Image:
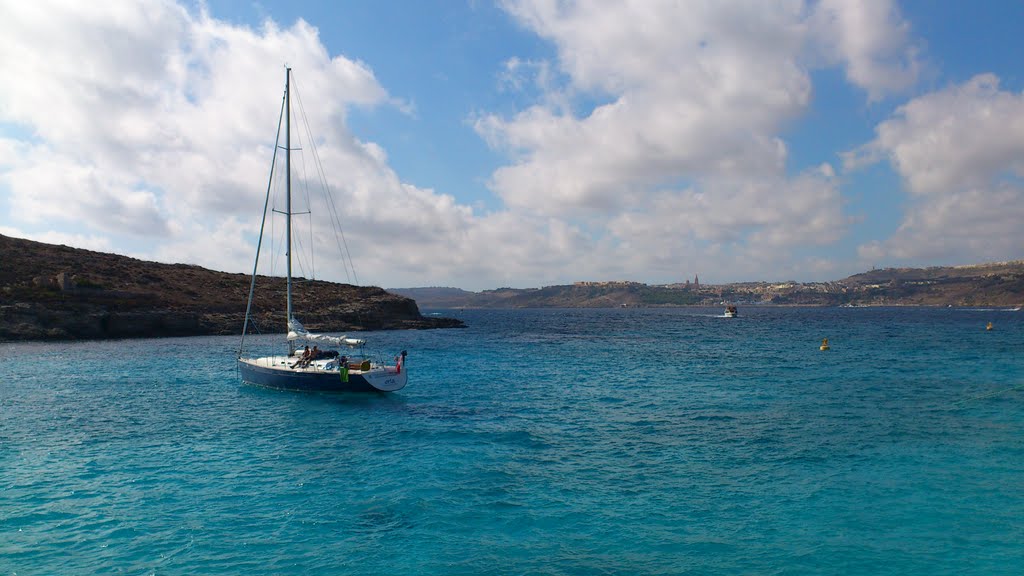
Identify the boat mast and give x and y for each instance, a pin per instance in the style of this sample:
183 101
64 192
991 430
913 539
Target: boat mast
288 193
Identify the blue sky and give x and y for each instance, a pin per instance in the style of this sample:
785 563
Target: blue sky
527 142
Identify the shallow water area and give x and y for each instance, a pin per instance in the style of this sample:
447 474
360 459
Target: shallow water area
626 441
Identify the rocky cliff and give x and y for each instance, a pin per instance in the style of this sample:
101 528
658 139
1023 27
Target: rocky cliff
50 292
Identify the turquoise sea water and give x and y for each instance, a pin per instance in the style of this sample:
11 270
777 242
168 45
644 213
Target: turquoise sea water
564 442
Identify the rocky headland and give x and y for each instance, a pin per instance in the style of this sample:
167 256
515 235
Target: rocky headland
50 292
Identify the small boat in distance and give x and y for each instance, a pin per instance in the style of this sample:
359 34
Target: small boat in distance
301 368
730 312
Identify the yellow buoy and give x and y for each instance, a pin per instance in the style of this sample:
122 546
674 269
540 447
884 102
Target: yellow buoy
824 344
989 327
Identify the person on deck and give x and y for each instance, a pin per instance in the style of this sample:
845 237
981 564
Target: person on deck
303 360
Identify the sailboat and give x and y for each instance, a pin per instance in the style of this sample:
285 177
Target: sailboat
347 370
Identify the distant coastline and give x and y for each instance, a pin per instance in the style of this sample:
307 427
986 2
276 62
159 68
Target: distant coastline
999 284
50 292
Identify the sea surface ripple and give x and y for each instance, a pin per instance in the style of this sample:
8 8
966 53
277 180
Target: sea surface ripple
562 442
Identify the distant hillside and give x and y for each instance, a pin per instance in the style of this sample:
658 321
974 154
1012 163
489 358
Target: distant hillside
443 297
57 292
995 284
583 295
992 284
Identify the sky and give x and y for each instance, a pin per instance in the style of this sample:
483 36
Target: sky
522 143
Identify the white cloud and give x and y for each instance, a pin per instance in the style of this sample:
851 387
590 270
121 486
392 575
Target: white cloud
693 91
89 242
872 40
680 161
148 128
953 139
961 153
56 187
694 94
690 90
964 224
803 211
150 122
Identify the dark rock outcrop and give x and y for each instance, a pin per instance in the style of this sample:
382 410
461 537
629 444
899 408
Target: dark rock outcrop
50 292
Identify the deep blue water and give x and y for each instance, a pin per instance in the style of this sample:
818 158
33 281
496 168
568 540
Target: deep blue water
565 442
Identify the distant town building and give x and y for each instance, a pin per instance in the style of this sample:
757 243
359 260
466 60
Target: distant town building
696 282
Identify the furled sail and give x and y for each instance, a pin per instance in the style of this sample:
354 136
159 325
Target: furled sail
296 331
